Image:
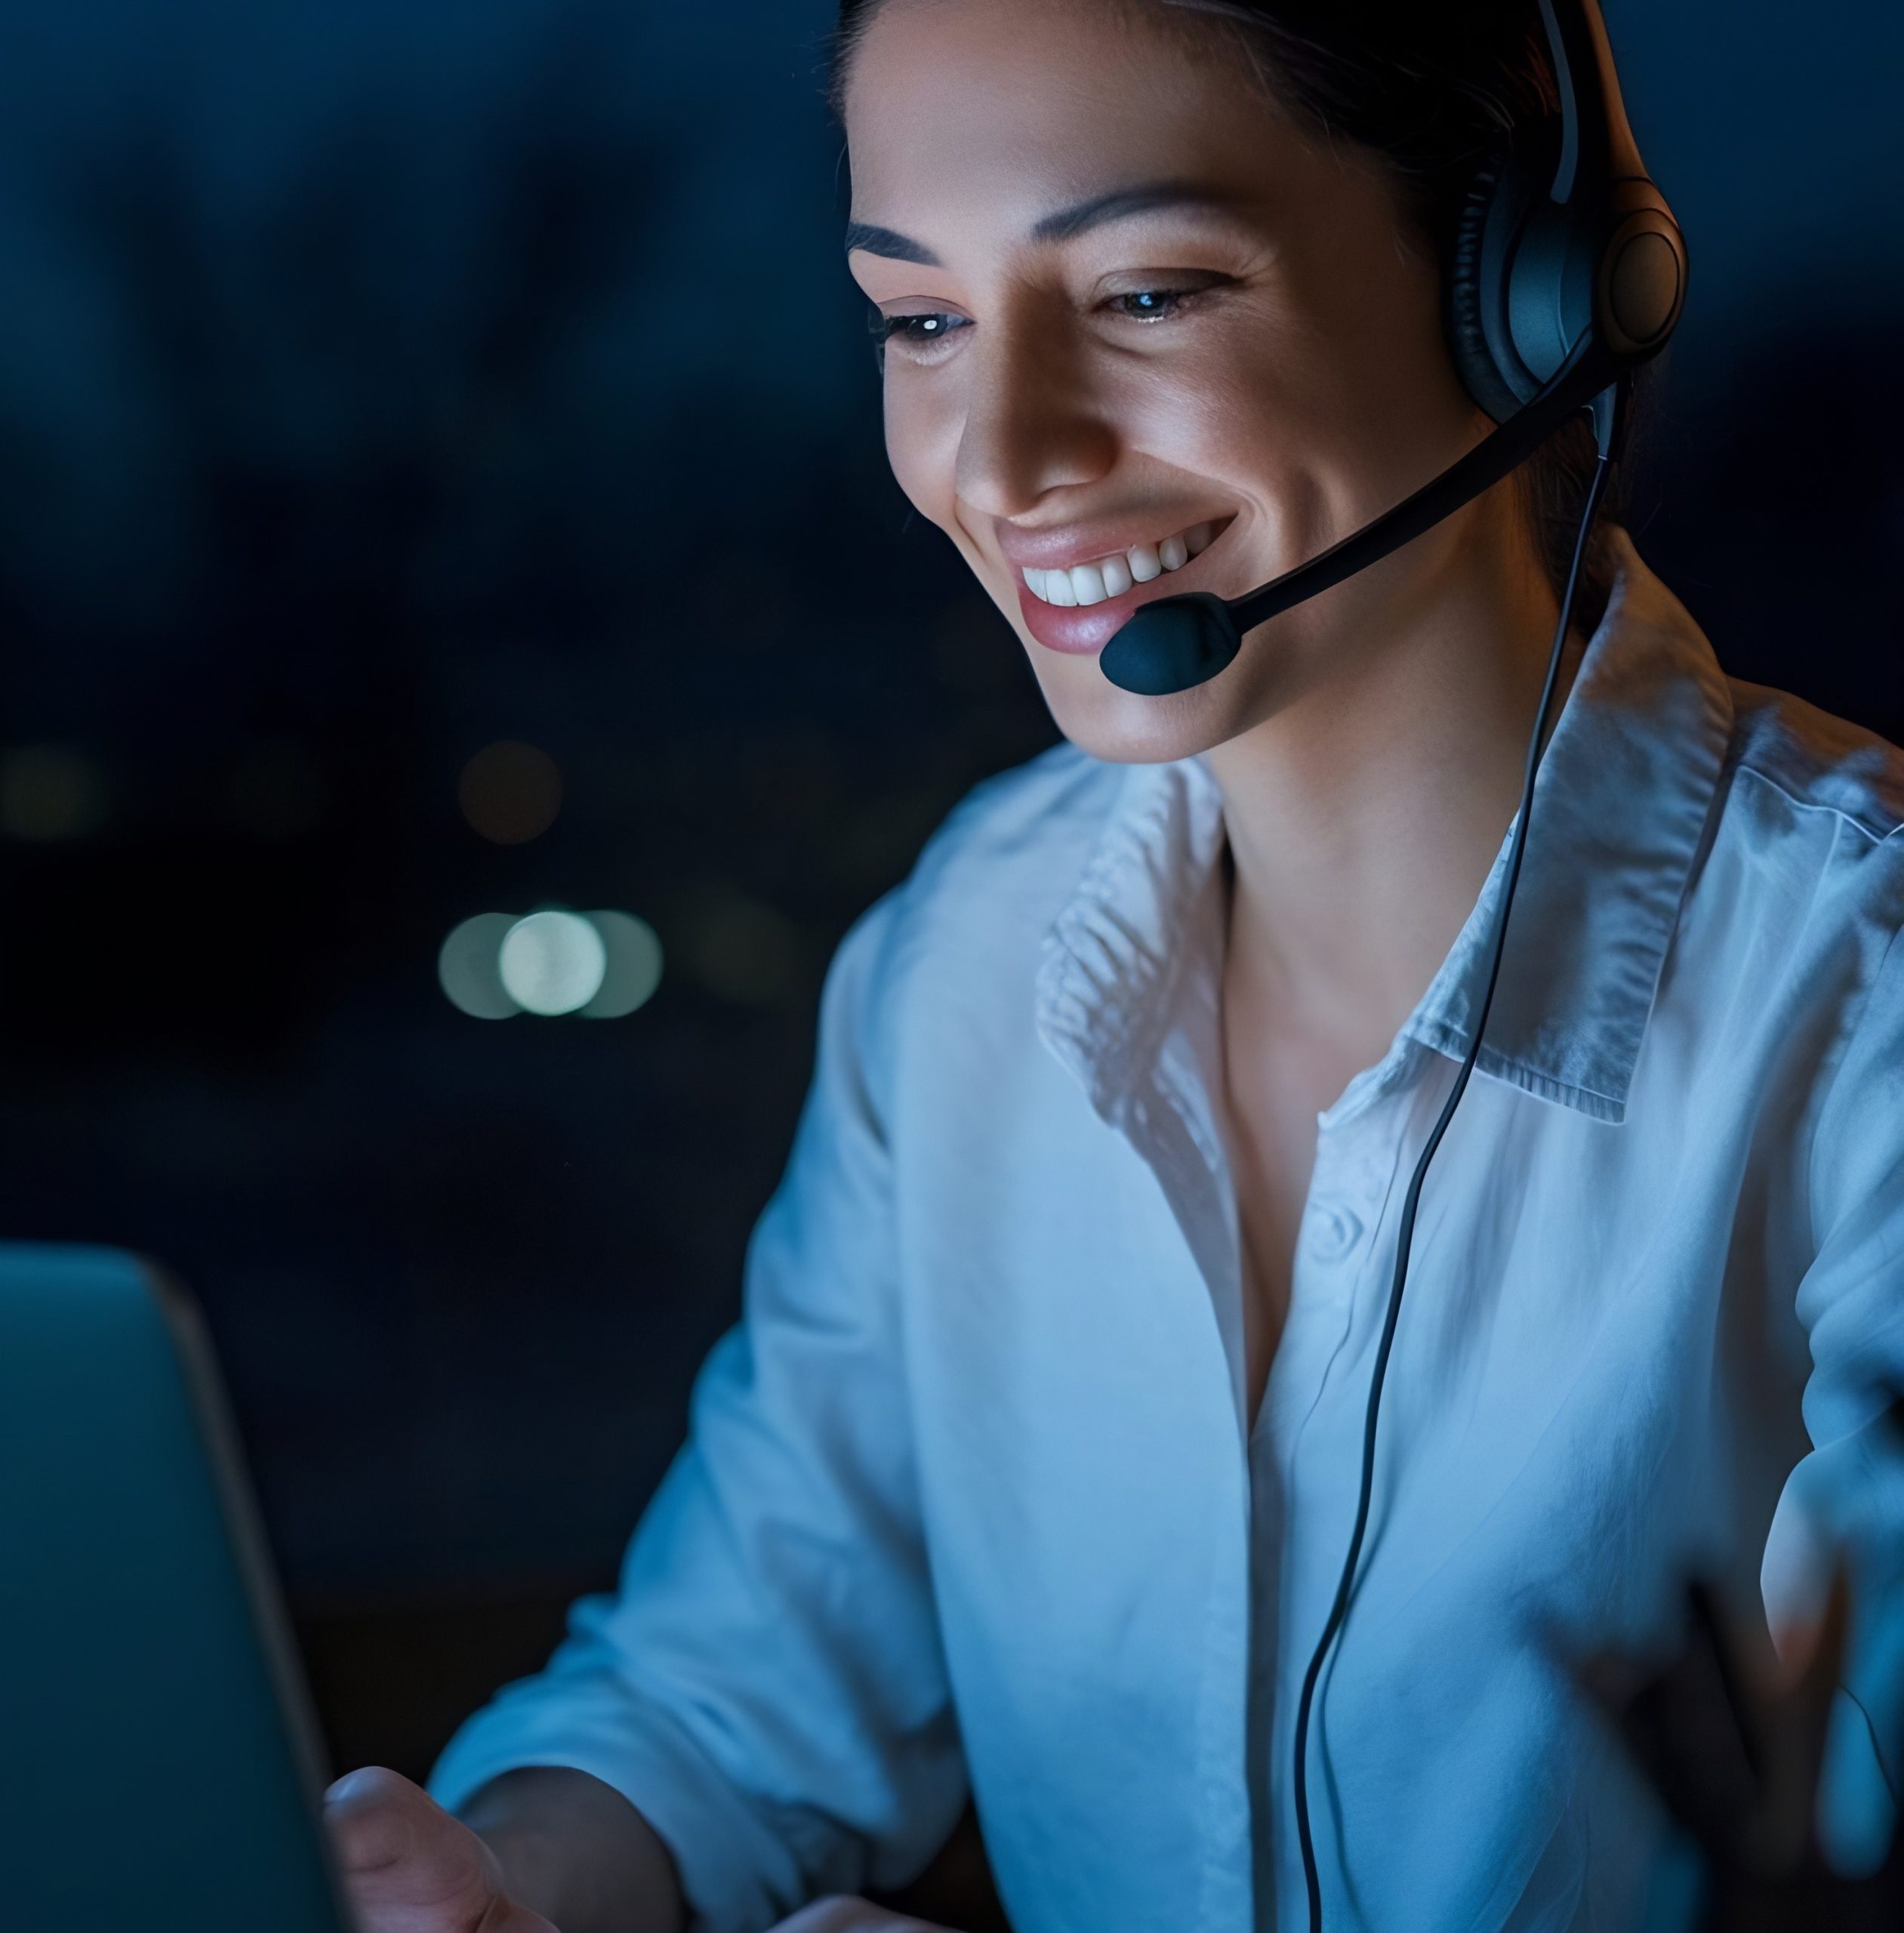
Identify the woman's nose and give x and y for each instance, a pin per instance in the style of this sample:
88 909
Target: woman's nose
1031 425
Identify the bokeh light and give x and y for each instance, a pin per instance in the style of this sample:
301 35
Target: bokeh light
50 792
469 967
743 950
511 793
602 965
553 962
634 966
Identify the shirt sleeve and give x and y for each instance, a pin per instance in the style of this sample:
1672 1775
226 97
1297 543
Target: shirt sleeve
767 1686
1845 1502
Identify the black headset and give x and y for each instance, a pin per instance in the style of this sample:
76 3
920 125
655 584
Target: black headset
1568 272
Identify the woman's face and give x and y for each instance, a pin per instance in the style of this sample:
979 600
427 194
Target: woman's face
1138 319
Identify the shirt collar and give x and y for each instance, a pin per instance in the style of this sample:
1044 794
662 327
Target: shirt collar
1622 805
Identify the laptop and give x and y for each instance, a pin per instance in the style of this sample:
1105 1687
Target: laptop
158 1767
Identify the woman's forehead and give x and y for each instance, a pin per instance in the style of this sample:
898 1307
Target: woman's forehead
1017 105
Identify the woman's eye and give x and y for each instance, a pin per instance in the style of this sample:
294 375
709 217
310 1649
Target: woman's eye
917 333
1150 305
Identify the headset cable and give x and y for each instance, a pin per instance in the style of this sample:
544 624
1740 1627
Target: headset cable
1607 411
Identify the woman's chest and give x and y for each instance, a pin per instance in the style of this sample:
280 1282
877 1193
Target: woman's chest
1569 1386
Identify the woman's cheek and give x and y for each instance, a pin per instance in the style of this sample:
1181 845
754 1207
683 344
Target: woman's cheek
921 446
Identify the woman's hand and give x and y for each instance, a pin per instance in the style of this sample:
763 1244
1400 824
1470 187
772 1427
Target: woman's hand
845 1916
409 1867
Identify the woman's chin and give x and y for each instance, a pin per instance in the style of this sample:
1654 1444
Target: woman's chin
1124 728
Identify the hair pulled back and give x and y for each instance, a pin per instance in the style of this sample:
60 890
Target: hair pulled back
1438 92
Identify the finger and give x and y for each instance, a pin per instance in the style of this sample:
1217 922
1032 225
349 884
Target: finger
398 1847
371 1822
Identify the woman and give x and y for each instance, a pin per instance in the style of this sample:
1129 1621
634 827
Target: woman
1030 1472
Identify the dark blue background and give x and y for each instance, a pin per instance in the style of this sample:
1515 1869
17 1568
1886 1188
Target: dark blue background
380 378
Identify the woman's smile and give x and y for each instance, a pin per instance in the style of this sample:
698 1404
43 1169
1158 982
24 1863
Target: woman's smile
1079 606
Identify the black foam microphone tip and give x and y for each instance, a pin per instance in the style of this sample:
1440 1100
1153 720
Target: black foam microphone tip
1172 645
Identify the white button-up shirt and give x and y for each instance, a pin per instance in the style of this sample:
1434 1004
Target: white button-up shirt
972 1502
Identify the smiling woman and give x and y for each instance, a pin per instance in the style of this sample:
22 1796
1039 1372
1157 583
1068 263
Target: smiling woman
1029 1477
1182 312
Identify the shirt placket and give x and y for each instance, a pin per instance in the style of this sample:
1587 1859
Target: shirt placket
1357 1158
1306 1444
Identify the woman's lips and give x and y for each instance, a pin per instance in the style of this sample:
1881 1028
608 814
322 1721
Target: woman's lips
1082 631
1089 631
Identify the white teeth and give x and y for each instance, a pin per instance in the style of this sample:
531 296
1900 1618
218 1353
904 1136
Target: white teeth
1087 584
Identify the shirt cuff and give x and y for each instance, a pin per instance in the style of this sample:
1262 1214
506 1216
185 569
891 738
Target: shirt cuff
738 1876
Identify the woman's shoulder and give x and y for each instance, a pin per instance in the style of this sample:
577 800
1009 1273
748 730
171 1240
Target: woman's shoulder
975 910
1028 830
1811 762
1799 893
1008 855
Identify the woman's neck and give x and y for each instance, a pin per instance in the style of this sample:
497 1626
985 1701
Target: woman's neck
1363 817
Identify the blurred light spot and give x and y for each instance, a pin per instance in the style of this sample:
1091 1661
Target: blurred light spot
633 968
511 793
469 967
745 952
50 792
277 792
600 965
553 962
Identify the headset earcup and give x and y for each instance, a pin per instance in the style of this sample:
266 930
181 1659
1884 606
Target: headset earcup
1467 294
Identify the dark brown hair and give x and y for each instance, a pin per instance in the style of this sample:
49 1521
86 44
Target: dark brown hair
1439 91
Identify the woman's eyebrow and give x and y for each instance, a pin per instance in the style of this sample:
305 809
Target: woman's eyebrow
889 242
1061 225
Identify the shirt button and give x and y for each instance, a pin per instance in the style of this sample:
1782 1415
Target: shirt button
1333 1231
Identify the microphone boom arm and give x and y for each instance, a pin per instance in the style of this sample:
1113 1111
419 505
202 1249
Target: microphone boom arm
1573 387
1174 644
